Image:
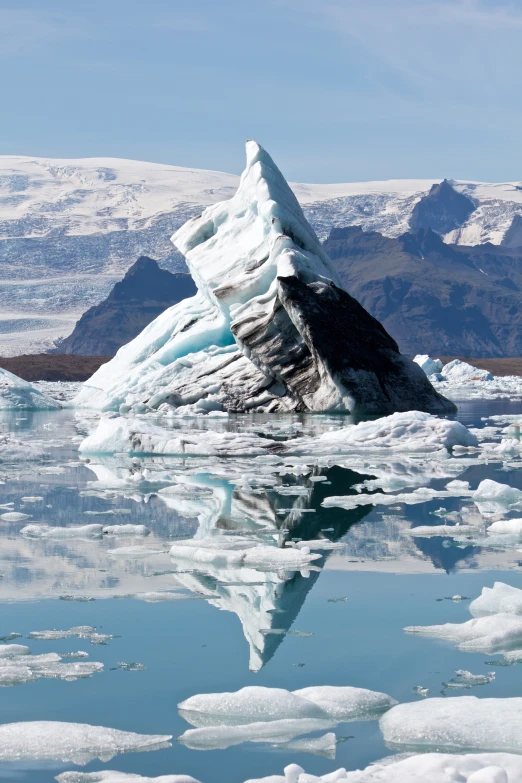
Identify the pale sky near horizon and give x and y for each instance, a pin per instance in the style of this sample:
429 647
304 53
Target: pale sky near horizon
336 90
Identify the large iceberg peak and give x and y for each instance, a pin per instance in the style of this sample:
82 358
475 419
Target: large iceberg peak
271 328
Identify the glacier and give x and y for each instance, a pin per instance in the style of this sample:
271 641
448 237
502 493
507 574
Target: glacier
71 227
259 334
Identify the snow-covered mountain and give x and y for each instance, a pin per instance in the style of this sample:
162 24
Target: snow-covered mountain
69 229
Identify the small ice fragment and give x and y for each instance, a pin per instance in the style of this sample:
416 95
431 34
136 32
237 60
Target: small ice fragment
81 598
419 690
337 600
132 667
14 516
31 499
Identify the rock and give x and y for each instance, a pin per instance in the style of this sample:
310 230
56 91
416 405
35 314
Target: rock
434 298
271 328
442 210
144 293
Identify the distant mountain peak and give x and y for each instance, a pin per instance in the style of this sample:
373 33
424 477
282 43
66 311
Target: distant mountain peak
144 293
442 210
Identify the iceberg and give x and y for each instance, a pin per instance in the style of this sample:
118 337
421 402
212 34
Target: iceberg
76 742
492 498
458 371
409 432
490 634
499 599
429 365
425 767
271 328
457 723
19 394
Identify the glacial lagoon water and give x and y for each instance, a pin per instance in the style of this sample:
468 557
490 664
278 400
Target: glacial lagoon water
339 625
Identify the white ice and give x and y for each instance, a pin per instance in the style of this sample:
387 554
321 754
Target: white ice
76 742
463 722
499 599
421 768
81 532
490 634
411 432
112 776
429 365
19 394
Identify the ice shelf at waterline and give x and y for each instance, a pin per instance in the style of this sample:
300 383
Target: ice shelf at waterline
270 329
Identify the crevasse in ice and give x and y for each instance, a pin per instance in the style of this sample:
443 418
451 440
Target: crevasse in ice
271 327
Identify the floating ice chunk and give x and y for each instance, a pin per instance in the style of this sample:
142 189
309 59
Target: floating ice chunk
421 768
491 634
420 690
79 631
12 650
429 365
453 531
452 723
259 557
421 495
315 543
17 393
463 676
79 743
506 527
248 705
499 599
82 532
125 530
410 432
347 703
31 499
491 497
320 746
14 516
157 597
458 371
273 731
255 703
133 552
111 776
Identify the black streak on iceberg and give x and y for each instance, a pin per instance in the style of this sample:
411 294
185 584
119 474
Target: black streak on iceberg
271 328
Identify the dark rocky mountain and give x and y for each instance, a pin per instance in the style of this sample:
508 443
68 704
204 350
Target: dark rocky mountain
144 293
442 210
433 297
513 236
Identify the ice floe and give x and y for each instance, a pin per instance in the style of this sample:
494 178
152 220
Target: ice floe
499 599
409 432
82 532
463 722
275 715
112 776
425 768
18 666
19 394
76 742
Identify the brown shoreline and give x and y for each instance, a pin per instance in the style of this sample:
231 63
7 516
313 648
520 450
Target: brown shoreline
53 366
69 367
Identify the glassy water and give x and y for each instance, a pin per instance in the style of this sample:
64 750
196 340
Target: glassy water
225 627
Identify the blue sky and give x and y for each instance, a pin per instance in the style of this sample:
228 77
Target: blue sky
336 90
